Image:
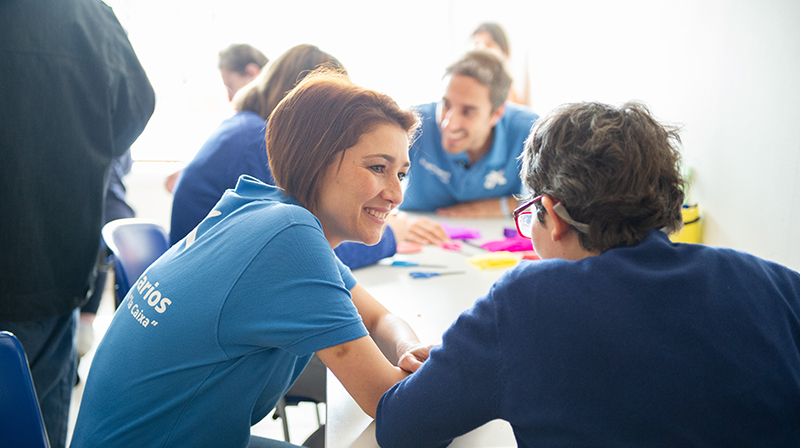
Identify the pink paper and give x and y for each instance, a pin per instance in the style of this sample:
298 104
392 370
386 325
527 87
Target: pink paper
451 246
461 232
518 244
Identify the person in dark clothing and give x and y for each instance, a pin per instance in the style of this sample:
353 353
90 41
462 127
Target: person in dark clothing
115 208
73 96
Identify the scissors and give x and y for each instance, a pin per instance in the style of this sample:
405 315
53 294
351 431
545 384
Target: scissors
432 274
413 264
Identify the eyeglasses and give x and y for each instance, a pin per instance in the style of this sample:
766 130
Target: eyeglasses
524 219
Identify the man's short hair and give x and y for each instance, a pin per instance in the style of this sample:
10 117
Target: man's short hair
616 169
488 69
238 56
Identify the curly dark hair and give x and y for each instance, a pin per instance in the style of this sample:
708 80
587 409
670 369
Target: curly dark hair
616 169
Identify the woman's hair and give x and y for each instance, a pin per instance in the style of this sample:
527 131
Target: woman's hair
488 69
271 85
316 122
615 169
497 33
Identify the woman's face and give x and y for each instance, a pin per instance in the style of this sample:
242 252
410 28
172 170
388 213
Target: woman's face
483 40
356 197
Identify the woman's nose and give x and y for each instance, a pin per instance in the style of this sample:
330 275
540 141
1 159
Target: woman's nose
393 192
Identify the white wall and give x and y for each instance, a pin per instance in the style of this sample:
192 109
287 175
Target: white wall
727 71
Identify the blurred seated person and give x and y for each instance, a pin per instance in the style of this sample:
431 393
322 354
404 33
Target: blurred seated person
491 36
464 164
219 328
238 64
617 337
237 147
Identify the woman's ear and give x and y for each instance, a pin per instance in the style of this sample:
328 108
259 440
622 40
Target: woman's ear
560 227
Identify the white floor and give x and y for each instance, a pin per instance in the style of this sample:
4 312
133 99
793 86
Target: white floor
302 419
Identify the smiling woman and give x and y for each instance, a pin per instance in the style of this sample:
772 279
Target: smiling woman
259 289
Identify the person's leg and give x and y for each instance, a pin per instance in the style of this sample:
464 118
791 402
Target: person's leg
50 347
85 339
261 442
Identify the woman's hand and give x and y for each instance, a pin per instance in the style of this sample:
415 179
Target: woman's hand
414 356
426 231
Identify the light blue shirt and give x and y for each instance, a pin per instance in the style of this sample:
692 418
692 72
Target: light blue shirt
219 327
438 179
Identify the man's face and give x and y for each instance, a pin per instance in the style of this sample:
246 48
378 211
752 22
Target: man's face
465 116
234 81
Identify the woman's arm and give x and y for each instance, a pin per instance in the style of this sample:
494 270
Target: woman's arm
363 371
361 367
393 335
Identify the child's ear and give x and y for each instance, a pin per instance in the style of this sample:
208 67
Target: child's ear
559 225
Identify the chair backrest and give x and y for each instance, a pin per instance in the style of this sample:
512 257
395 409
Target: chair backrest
21 423
136 244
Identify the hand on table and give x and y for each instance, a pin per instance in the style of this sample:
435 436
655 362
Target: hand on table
414 356
426 231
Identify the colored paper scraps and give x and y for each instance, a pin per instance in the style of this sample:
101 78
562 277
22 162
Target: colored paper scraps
510 232
515 244
408 248
494 260
532 255
461 232
451 246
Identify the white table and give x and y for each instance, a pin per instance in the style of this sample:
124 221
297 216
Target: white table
429 306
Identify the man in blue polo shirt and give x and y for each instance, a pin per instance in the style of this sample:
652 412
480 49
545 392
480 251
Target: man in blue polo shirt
464 163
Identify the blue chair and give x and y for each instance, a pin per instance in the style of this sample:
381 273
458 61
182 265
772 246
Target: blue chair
136 244
21 423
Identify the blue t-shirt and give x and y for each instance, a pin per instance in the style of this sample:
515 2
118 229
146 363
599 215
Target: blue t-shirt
218 328
659 344
438 179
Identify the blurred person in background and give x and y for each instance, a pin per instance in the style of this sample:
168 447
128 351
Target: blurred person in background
464 164
238 64
492 36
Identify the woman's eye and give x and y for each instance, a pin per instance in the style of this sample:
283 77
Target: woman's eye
401 176
378 168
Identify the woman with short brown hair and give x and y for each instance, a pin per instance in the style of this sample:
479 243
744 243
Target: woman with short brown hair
218 329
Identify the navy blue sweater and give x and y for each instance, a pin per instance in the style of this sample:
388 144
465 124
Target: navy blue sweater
660 344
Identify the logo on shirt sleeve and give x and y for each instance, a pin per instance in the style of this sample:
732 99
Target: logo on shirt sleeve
494 178
150 296
444 176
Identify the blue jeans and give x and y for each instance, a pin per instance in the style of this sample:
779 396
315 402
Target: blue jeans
50 347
